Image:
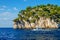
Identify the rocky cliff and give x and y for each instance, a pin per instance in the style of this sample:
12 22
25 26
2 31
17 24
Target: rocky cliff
41 23
41 16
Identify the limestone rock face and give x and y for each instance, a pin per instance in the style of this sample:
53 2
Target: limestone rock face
27 25
15 25
41 23
33 25
47 23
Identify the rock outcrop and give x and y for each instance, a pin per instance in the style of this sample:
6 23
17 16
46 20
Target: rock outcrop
41 16
41 23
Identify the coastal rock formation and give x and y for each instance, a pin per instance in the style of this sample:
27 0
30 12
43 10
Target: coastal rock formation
41 23
43 16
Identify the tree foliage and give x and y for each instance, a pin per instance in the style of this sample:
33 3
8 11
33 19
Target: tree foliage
48 11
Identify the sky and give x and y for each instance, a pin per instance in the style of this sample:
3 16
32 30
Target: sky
10 8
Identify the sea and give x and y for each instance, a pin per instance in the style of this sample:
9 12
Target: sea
27 34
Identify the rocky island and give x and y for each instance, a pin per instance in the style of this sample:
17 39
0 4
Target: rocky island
40 16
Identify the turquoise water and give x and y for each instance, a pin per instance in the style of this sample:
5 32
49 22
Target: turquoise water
20 34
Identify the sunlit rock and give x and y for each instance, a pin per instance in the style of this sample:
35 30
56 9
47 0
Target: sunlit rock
15 25
27 24
33 25
41 23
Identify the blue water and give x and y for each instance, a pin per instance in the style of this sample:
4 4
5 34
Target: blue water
20 34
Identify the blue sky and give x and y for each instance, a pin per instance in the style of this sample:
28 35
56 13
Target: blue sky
10 8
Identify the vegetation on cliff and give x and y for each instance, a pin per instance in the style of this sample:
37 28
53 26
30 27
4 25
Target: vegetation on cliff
31 14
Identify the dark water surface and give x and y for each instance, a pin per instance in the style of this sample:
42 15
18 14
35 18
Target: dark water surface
11 34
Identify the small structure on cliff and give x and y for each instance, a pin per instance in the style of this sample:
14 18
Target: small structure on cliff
43 16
